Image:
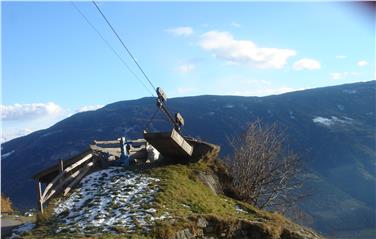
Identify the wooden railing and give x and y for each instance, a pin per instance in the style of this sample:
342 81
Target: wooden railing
60 179
66 179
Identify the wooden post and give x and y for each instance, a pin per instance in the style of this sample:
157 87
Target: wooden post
39 196
61 166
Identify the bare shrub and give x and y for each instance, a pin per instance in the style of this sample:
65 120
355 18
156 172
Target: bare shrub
264 173
6 205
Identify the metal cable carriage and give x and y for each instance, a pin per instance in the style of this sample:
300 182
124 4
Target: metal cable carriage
170 144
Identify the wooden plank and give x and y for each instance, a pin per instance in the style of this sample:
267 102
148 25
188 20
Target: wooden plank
54 169
59 186
61 163
107 142
78 163
112 151
71 167
39 196
77 180
61 168
71 177
170 144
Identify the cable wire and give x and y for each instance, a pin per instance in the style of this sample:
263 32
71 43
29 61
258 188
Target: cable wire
112 49
151 119
125 47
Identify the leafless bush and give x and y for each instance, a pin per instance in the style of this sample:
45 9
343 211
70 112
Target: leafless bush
264 173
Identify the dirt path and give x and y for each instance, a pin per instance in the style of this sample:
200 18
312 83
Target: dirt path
10 222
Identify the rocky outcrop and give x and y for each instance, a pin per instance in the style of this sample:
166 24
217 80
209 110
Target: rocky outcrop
213 227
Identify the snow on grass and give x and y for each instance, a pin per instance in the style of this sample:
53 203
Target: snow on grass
239 209
333 120
108 199
18 231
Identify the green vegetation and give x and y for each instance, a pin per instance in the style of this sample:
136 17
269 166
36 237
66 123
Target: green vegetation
182 201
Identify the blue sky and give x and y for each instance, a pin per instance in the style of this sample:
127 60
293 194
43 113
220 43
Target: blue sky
54 64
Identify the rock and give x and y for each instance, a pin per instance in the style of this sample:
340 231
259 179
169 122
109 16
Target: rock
201 222
211 180
184 234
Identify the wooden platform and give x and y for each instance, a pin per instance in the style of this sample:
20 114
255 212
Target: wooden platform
170 144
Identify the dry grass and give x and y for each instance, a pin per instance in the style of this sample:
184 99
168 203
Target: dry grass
6 205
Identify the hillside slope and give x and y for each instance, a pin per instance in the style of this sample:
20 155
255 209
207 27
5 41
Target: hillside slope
169 201
332 128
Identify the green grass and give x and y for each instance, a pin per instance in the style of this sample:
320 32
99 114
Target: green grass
182 194
183 198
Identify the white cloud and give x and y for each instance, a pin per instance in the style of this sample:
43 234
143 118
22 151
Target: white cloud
180 31
29 111
89 108
362 63
306 64
343 75
224 46
341 56
22 119
186 68
12 134
235 24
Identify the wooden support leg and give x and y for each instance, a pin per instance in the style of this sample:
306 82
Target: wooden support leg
61 166
39 196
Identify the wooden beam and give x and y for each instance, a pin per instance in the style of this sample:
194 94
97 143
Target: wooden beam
112 151
39 196
61 185
54 169
76 176
61 165
68 169
107 142
77 180
78 163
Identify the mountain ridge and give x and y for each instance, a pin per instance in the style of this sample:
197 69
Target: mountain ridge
332 128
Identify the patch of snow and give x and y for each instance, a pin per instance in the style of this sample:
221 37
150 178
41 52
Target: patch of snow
6 155
51 133
239 209
341 107
18 231
127 130
333 120
348 119
106 199
229 106
161 217
153 153
350 91
292 116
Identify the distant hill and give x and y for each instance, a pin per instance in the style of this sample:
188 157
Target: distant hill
333 130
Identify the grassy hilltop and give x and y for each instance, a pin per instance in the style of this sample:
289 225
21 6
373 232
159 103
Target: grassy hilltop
169 201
